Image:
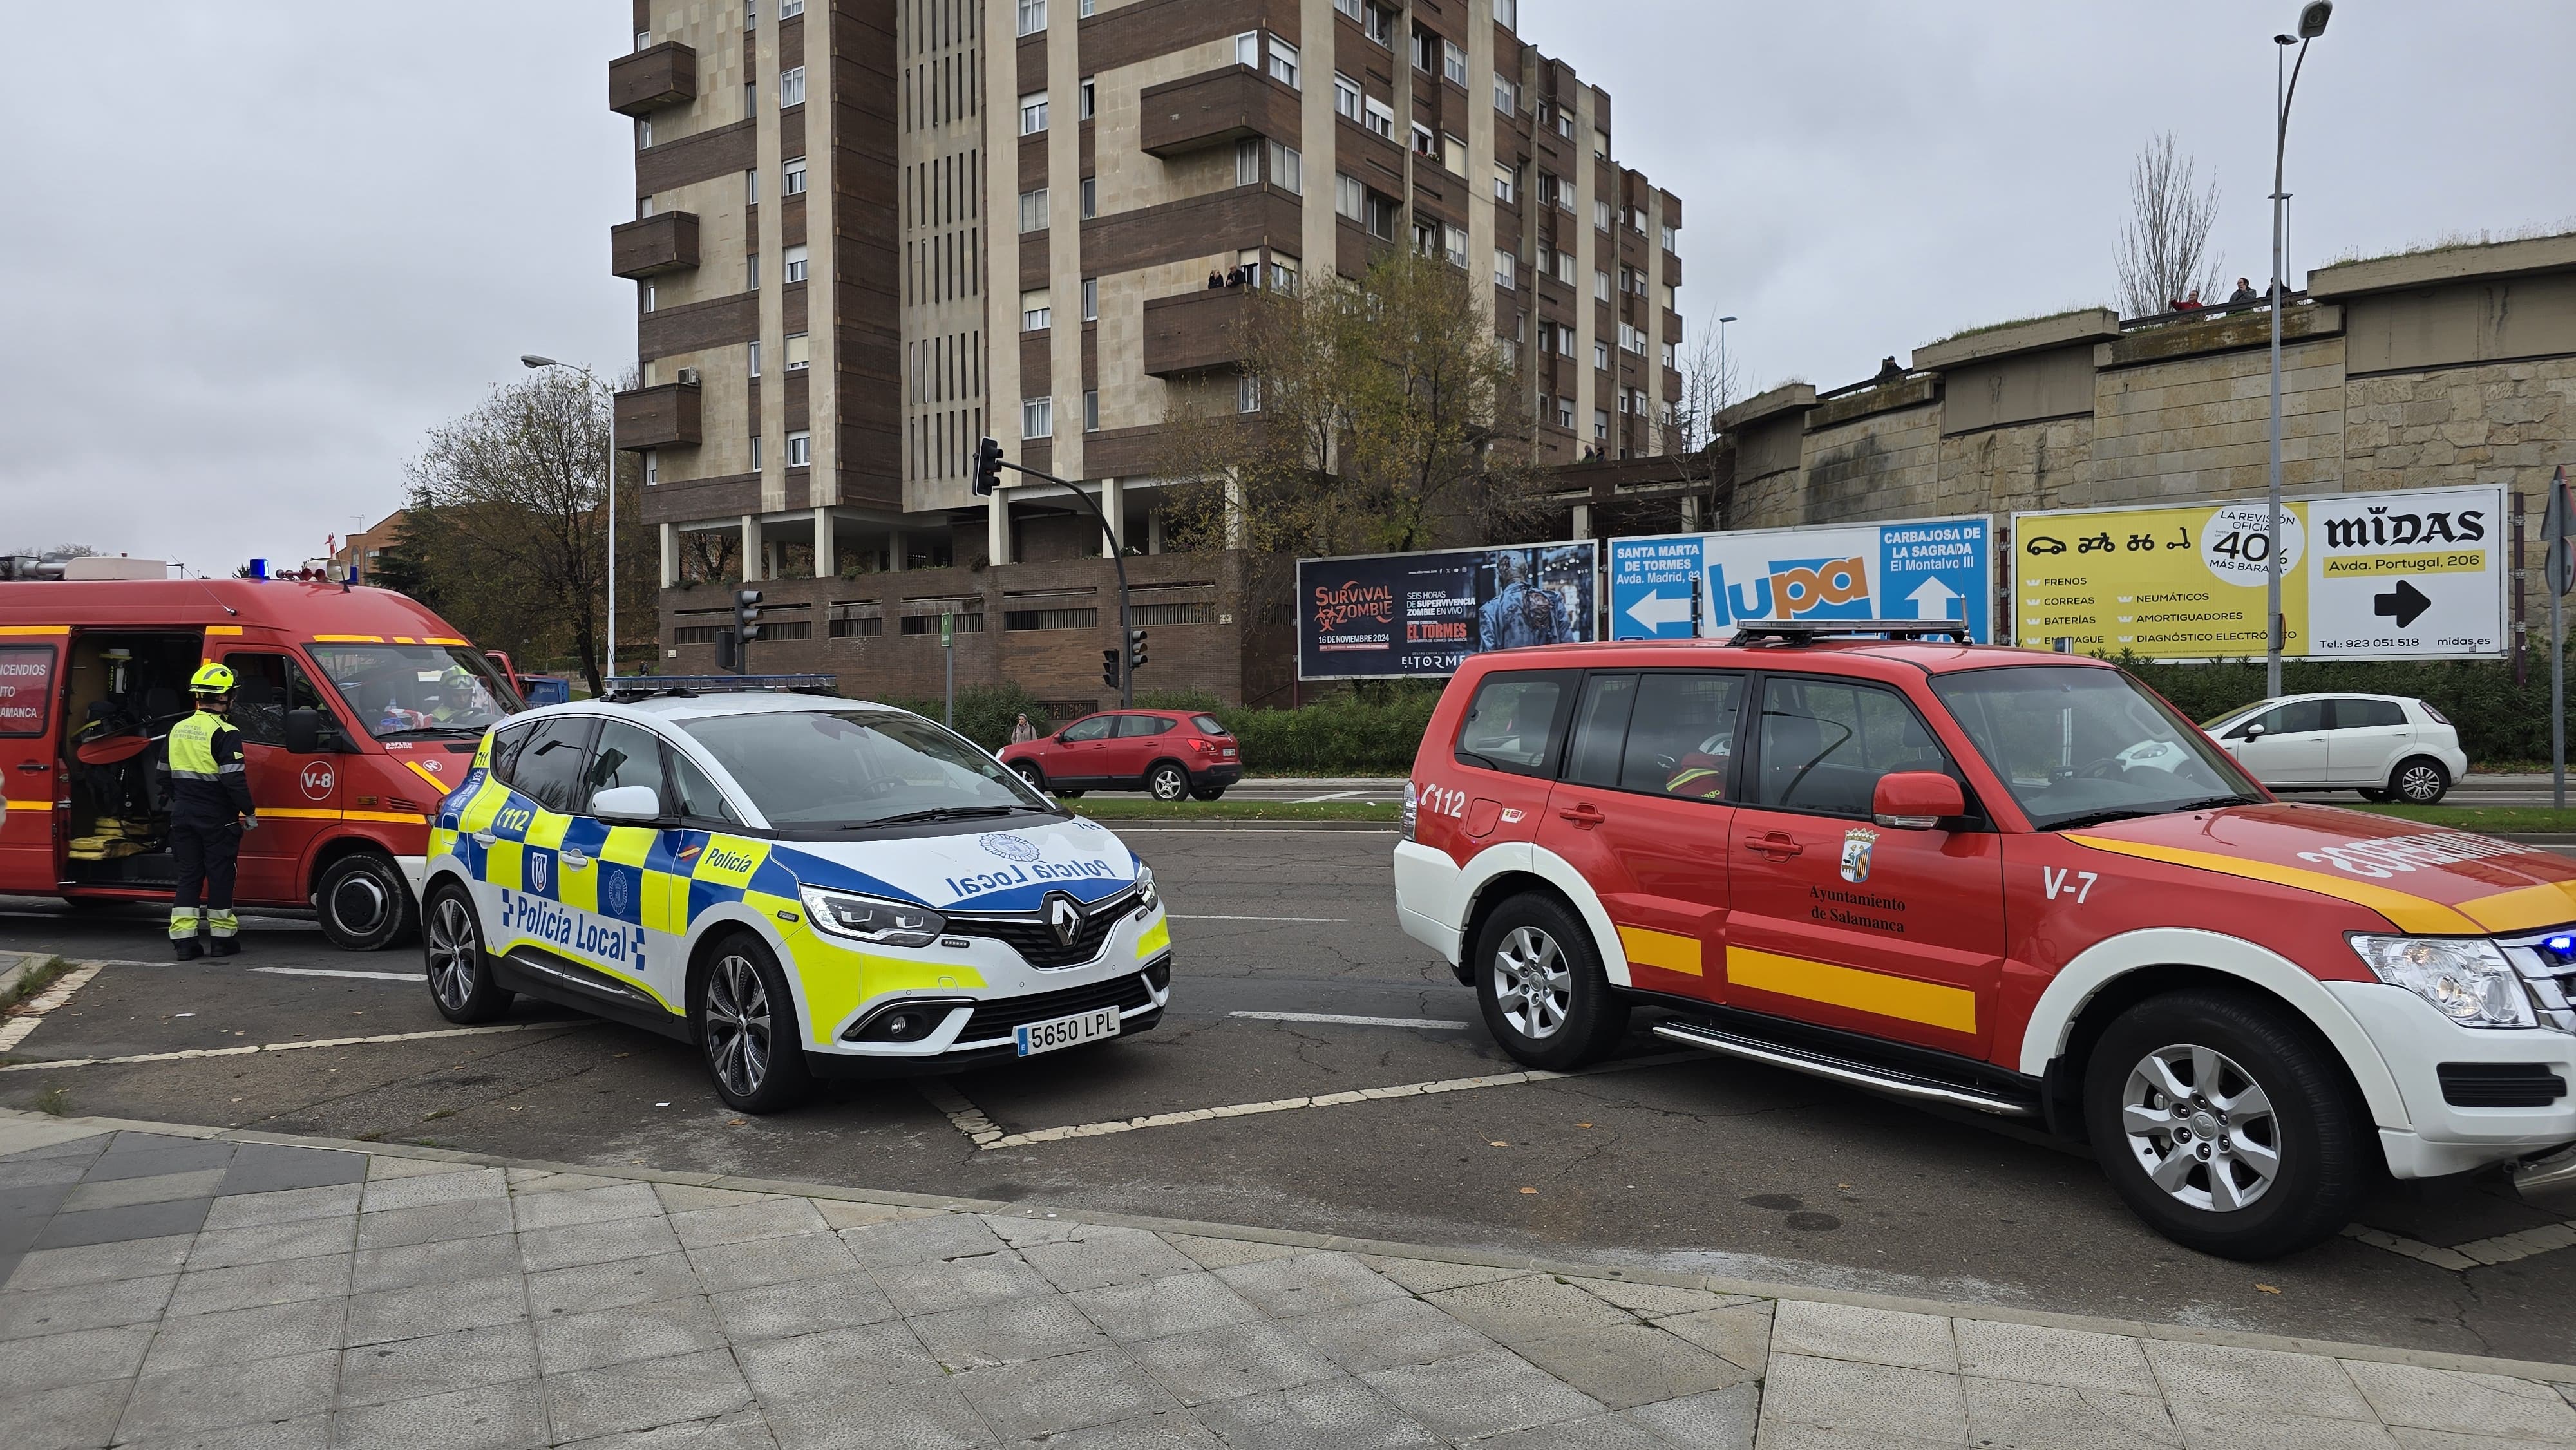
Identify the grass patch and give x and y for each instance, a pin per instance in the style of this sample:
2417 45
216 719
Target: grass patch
32 983
1984 328
54 1100
1151 810
2518 820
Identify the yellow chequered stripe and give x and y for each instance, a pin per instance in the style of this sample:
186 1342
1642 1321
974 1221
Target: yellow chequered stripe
1155 940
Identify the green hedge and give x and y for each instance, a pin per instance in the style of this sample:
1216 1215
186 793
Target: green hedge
984 712
2499 721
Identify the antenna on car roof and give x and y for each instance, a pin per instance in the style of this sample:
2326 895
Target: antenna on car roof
1808 631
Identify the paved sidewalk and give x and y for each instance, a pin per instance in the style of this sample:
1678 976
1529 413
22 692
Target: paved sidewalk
176 1286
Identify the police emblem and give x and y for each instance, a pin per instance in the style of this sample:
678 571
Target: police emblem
1856 844
537 871
621 893
1010 848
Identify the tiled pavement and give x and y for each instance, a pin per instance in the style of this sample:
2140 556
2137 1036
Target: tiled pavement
177 1289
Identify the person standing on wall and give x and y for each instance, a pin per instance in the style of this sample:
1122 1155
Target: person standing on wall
210 808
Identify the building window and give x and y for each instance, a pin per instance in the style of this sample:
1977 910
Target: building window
1033 210
800 351
1507 14
1565 197
1091 411
1247 161
751 271
1033 109
1672 239
1424 142
646 293
1505 271
644 134
1036 315
1507 184
1380 221
1453 61
643 39
1454 245
792 267
1565 414
792 180
1453 154
1350 198
1283 63
1287 169
1600 424
1565 123
1247 49
791 87
1283 274
1091 299
1600 286
1380 25
1424 51
755 453
1032 16
1507 97
1601 355
790 9
1350 8
1565 268
800 450
1623 400
1088 104
1090 197
1084 9
1346 98
1037 417
643 207
1381 117
751 188
1601 216
652 474
755 357
1670 358
1247 393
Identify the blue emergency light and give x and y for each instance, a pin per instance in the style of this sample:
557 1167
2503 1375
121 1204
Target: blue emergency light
2561 943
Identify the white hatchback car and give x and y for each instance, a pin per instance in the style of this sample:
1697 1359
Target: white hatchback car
2387 747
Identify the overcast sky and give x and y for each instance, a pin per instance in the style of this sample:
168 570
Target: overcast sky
238 284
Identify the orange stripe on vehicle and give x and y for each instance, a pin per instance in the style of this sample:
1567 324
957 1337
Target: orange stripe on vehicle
223 629
425 773
2408 911
1877 993
400 818
2547 904
35 629
1661 949
348 639
439 639
297 814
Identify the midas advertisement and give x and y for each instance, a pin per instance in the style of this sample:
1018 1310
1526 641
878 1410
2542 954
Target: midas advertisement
2417 574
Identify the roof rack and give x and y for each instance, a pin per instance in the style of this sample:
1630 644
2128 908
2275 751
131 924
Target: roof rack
645 687
1808 631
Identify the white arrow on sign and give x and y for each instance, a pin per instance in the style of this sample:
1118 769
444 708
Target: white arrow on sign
1931 599
1655 610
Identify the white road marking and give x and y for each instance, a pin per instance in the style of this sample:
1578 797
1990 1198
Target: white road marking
986 1136
14 1030
964 1116
1313 799
2502 1249
246 1051
1441 1022
327 972
1177 916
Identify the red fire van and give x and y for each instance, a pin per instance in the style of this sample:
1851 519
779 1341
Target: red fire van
359 710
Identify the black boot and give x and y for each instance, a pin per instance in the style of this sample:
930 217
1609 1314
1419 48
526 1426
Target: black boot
223 946
186 948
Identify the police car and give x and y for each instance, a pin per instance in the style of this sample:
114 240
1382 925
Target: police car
803 886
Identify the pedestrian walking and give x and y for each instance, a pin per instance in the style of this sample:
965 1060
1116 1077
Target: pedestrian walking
210 808
1022 732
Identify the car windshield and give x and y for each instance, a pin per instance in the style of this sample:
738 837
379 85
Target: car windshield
403 688
2076 745
843 768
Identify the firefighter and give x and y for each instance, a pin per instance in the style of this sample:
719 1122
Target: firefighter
210 807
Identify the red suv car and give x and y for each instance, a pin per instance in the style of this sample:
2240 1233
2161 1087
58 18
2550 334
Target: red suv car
1168 752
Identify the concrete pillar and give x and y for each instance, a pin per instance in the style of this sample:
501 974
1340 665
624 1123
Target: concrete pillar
997 527
670 555
751 559
1115 508
895 550
1583 521
1154 531
768 560
1690 513
827 553
1234 511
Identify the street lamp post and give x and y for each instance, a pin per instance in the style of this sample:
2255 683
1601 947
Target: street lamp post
2312 23
608 476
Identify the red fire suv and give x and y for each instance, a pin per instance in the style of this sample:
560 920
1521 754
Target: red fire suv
2010 881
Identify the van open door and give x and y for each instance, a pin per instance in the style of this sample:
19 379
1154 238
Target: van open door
31 747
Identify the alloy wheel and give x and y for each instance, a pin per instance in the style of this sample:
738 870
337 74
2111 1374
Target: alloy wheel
2420 783
1170 784
452 950
738 1040
2201 1127
1532 984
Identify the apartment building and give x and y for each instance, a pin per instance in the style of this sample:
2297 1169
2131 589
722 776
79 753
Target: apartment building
868 232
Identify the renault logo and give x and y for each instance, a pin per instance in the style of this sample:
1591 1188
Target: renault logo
1064 918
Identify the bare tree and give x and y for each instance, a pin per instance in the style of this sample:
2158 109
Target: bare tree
2164 249
1711 383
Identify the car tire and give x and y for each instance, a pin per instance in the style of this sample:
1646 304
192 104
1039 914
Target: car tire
1167 781
1030 773
1207 793
1539 983
745 1023
365 904
452 957
2215 1056
2419 781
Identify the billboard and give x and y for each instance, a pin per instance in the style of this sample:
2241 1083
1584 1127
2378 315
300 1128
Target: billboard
2411 574
1379 616
1675 585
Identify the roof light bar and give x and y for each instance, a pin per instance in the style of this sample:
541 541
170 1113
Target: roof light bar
638 687
1807 631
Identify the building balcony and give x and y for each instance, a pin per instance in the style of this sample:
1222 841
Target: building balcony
1213 109
1191 332
650 79
650 246
662 416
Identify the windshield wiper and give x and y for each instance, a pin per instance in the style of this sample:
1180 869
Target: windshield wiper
939 813
433 730
2217 802
2096 818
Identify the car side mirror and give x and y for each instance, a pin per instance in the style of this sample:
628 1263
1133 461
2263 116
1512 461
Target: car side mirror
1916 800
2253 732
303 730
636 804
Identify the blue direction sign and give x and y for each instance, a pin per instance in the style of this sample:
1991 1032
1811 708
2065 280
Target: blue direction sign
1674 586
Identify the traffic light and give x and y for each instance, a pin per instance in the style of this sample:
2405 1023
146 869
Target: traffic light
1135 650
746 628
988 466
1109 668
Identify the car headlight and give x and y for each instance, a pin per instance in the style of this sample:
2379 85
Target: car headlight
1147 898
1412 807
873 920
2467 979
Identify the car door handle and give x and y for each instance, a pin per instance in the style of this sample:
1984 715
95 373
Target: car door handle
1583 815
484 838
573 860
34 767
1774 844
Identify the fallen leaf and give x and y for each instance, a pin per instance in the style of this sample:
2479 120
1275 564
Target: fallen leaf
1498 1143
739 1123
1529 1190
2266 1288
1583 1125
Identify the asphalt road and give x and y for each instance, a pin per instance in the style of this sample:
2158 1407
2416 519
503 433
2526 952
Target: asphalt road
1695 1163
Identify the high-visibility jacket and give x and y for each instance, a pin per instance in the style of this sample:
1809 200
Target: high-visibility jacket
207 778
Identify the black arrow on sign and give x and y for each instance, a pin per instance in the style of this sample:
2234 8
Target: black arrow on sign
2405 601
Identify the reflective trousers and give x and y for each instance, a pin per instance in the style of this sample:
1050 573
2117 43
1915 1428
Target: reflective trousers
204 854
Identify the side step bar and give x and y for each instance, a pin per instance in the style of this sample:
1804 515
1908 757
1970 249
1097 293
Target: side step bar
1844 1070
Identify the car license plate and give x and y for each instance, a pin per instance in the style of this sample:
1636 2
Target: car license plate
1073 1031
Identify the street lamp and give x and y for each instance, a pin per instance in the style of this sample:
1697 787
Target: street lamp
2312 23
608 474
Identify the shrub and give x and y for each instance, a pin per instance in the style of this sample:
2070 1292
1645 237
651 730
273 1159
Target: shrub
984 712
1342 736
2498 720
